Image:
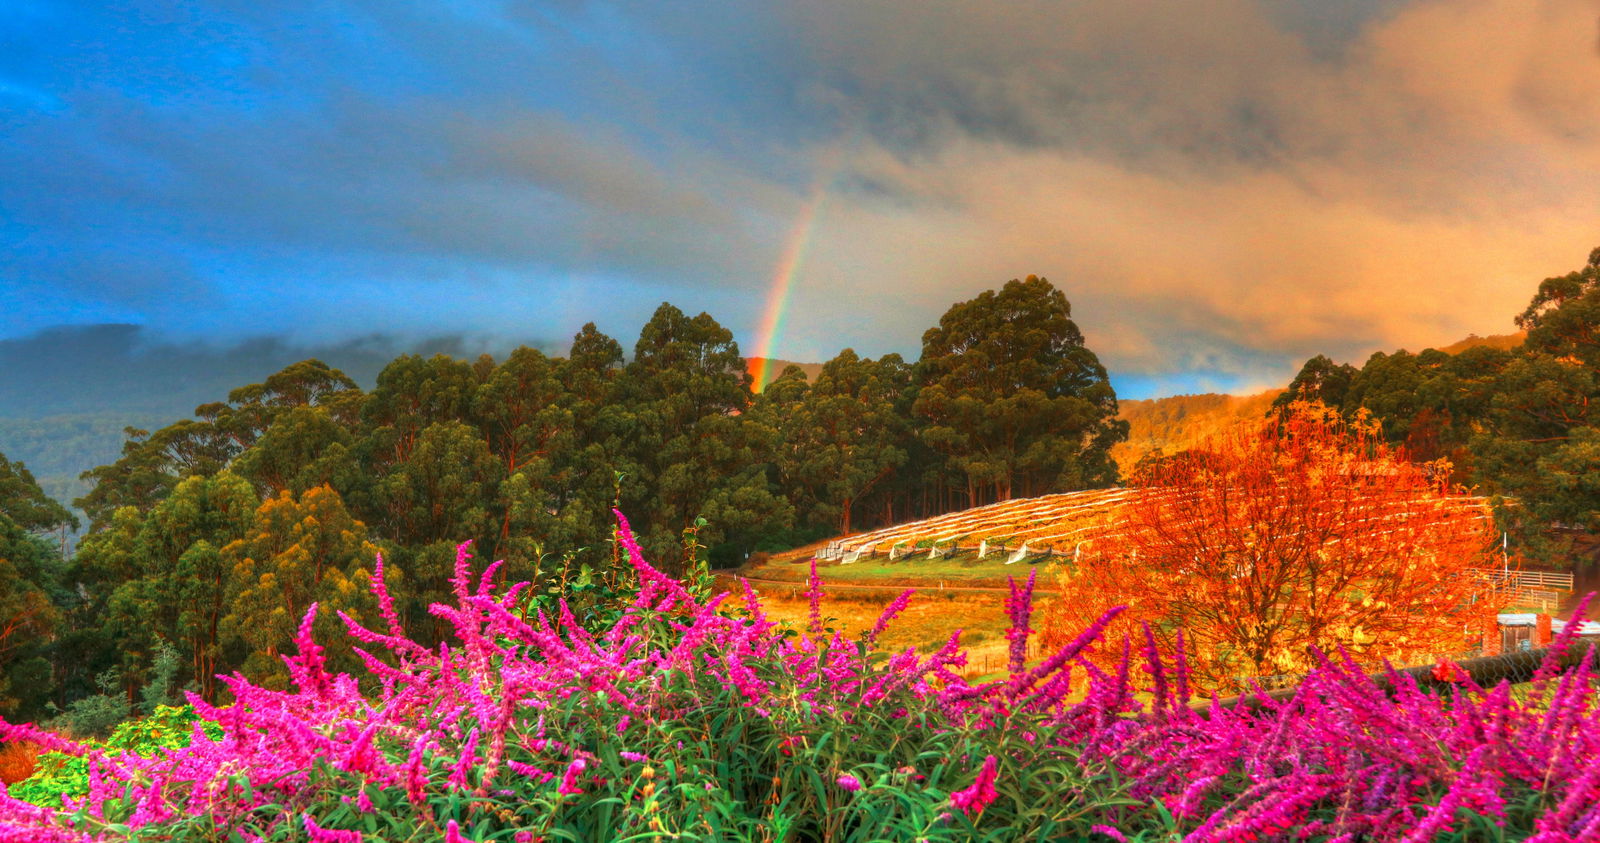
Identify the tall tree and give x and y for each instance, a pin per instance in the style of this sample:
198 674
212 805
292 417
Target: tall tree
162 575
843 436
413 393
152 464
1320 380
29 617
26 504
685 390
1014 399
523 409
1538 443
299 549
1563 319
302 448
601 448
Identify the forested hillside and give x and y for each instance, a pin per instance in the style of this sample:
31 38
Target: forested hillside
1179 422
58 448
209 534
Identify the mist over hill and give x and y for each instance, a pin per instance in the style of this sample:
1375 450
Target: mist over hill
67 393
101 368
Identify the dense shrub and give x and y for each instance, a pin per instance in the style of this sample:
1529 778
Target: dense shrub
689 719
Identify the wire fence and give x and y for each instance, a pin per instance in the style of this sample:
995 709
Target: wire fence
986 662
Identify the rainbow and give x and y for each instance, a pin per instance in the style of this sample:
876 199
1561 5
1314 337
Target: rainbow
783 275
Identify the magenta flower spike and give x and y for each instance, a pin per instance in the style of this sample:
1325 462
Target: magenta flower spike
972 799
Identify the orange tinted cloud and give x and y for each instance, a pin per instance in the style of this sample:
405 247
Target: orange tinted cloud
1218 197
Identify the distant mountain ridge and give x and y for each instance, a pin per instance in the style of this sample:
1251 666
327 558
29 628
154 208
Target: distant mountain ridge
1505 342
102 368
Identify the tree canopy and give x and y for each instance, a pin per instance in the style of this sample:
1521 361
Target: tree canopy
210 534
1013 397
1285 534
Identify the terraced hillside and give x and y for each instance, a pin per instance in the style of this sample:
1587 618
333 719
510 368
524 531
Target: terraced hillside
1063 524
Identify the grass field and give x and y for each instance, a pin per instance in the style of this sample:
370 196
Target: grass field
918 571
925 624
939 607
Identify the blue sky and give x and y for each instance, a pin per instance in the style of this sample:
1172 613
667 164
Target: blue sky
1222 187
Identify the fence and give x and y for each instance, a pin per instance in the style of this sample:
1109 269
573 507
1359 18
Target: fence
1543 590
983 664
1487 671
1526 580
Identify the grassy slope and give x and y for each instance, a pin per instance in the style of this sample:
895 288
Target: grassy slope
917 570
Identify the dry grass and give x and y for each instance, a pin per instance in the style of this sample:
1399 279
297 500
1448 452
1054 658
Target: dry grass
965 570
926 624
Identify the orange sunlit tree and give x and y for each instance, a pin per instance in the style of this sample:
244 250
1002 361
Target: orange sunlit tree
1296 531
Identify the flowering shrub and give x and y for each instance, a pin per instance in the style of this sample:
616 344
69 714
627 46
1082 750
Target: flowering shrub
689 719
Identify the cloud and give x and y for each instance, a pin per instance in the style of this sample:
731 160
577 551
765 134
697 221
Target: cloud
1223 188
1217 197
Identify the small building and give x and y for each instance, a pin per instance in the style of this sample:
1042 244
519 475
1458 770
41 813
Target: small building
1532 630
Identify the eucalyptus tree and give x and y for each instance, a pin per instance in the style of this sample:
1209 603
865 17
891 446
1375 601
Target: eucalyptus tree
1012 397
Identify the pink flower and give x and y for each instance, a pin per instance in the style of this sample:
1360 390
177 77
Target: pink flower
569 781
849 782
329 835
974 799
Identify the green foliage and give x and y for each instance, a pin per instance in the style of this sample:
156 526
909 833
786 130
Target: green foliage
30 579
841 438
302 448
162 576
1517 422
213 532
299 550
1563 319
690 451
96 715
164 727
1320 380
26 505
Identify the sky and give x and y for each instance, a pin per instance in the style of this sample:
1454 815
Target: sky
1223 188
